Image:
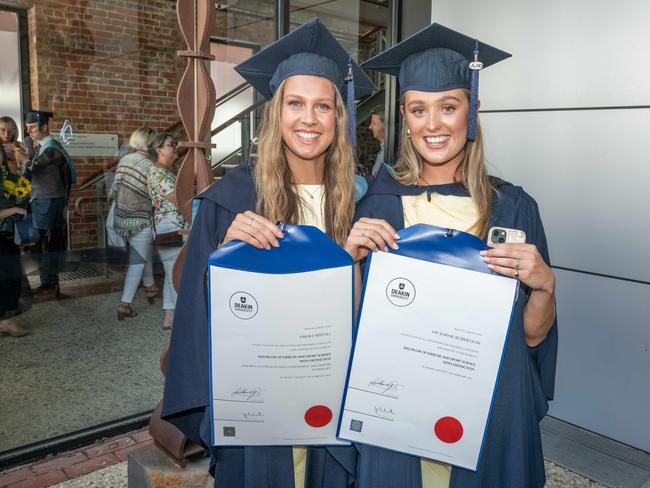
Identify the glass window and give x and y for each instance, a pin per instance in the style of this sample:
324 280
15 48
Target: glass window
243 28
360 26
94 313
85 293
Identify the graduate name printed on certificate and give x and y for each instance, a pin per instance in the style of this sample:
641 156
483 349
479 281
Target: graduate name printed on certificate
280 351
426 358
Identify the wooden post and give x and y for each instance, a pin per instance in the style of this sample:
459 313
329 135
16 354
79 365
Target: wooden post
196 98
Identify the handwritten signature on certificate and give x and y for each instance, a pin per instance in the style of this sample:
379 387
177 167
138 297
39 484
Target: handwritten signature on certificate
248 394
252 415
384 386
384 410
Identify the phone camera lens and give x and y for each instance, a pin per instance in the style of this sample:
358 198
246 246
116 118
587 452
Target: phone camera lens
502 240
495 233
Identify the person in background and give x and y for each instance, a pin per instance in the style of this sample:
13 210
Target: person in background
377 128
132 218
52 175
11 273
9 141
167 220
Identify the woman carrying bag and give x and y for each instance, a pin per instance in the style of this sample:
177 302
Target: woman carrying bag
133 217
167 220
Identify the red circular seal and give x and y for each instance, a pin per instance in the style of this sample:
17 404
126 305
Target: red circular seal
318 416
448 429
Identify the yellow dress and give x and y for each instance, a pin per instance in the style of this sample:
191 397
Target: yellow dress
312 214
448 211
452 212
312 210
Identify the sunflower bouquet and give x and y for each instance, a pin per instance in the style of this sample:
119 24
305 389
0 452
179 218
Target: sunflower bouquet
17 189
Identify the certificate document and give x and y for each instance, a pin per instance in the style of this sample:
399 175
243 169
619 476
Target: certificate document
280 336
429 347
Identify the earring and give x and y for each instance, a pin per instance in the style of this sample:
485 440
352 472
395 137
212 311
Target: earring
408 132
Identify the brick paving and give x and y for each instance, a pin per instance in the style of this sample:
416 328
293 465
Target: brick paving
111 452
70 465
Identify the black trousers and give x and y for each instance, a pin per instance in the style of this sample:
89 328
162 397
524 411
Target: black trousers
11 275
51 247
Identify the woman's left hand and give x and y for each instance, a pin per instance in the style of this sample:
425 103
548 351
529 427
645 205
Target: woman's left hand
19 211
20 156
522 261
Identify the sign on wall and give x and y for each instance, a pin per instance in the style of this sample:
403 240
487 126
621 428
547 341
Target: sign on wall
91 144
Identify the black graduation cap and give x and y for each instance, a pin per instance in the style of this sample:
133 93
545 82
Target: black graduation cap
437 59
309 50
38 116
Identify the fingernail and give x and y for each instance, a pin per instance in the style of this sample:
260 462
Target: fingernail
267 247
276 244
483 253
396 236
385 249
485 258
491 266
395 246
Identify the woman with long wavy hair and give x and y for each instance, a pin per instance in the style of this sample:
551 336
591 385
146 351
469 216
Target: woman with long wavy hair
304 174
440 178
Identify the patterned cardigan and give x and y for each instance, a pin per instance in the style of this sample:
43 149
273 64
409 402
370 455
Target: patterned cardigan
133 210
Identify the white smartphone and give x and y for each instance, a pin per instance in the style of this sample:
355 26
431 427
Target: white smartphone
503 235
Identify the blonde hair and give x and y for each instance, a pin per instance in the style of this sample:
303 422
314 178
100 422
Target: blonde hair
141 138
277 199
471 173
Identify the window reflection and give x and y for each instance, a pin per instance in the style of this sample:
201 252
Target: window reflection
84 350
107 69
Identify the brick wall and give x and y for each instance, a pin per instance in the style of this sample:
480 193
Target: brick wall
107 66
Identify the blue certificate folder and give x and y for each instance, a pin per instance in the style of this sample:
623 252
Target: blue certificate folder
432 330
280 338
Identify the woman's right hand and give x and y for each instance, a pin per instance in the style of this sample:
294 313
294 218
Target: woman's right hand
20 211
255 230
9 150
370 235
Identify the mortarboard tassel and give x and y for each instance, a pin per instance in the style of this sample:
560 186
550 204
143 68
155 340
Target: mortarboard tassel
352 117
475 66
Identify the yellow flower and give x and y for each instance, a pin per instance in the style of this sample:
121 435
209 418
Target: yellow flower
9 186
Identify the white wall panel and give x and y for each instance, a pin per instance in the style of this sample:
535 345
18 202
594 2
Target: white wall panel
589 172
10 69
576 53
604 357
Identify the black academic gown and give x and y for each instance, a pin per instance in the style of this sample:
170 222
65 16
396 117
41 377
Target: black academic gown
512 454
186 397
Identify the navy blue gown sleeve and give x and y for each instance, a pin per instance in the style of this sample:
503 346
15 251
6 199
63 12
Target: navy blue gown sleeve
544 355
186 394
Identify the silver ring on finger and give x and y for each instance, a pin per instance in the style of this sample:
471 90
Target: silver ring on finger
250 222
363 232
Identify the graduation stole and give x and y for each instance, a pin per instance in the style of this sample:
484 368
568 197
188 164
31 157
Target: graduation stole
57 145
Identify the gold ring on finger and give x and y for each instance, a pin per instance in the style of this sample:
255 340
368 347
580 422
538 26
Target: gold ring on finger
516 275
